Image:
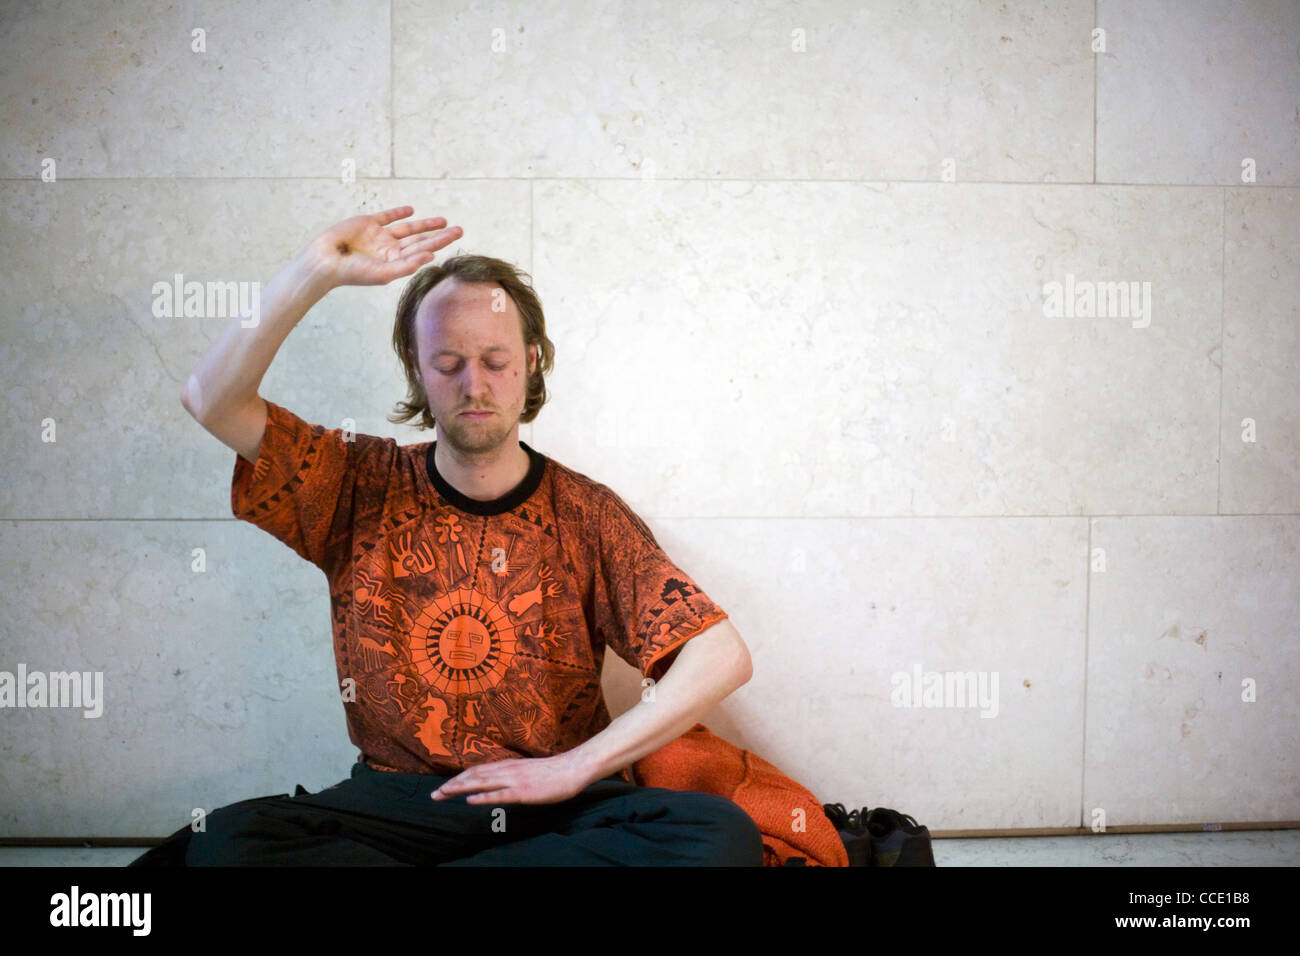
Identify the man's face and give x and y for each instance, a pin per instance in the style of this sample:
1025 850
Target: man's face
472 359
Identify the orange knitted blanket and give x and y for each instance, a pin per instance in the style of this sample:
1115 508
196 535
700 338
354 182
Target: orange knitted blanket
789 816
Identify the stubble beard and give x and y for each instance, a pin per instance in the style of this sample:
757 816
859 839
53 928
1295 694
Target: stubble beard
477 438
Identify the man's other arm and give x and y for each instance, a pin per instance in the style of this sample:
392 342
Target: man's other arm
707 668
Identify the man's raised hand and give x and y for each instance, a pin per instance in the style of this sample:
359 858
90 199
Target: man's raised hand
371 250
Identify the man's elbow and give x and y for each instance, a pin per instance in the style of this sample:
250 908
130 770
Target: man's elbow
744 663
721 651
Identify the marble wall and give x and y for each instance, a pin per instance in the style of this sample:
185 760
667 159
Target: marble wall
801 265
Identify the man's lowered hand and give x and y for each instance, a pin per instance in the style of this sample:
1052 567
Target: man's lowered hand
518 780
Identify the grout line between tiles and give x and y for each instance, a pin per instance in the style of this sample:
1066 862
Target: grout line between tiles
1223 361
801 180
392 95
1087 607
1096 13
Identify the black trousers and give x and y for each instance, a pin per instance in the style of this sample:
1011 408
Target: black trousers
377 818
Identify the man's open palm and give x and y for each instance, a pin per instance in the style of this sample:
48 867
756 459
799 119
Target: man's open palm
371 250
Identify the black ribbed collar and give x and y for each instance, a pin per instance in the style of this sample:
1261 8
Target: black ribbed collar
508 502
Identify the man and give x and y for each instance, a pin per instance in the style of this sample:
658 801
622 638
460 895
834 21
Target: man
475 584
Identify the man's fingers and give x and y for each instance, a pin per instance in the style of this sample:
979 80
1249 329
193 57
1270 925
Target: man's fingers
413 242
404 229
491 780
404 266
391 215
490 796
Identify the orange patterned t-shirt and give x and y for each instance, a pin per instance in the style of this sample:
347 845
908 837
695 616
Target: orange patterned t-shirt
470 631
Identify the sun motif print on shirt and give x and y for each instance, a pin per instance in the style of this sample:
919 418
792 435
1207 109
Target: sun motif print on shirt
472 631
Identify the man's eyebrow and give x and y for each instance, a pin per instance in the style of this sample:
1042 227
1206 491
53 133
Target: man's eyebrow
490 348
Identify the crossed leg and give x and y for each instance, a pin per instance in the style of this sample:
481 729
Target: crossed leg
382 819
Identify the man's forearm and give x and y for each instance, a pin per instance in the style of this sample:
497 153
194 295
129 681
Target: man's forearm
708 667
233 368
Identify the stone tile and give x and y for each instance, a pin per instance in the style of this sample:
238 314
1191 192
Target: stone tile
832 609
84 348
1188 89
283 89
712 91
1261 352
886 352
1186 612
217 685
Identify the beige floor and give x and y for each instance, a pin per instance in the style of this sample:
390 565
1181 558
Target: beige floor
1251 848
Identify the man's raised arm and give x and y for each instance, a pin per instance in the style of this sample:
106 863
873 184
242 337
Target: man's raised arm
222 392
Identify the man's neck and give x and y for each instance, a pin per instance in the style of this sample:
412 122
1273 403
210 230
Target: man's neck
486 476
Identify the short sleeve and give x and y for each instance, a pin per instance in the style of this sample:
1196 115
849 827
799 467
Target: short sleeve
646 607
303 486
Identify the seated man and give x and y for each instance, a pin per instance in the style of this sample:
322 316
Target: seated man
475 584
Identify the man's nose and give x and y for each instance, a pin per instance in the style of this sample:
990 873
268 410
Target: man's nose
473 381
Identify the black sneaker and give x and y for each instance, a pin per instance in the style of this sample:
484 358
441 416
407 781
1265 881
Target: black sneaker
852 828
897 839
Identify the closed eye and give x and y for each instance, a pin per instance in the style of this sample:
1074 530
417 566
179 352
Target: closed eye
456 368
